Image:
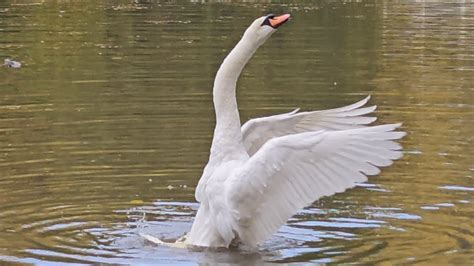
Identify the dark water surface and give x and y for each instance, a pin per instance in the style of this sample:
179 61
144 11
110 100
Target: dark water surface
105 129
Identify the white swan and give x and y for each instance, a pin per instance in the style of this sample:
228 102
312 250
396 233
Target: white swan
260 175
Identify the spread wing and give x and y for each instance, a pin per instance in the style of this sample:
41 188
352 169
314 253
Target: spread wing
291 172
256 132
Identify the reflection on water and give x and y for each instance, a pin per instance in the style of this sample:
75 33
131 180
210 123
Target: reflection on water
107 125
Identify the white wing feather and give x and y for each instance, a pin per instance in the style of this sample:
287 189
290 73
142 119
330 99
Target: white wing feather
256 132
291 172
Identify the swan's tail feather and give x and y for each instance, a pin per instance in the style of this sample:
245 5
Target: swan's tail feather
152 239
178 244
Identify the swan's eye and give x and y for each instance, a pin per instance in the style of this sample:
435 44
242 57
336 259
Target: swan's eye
267 21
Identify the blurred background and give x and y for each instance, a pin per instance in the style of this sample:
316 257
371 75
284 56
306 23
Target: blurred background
105 128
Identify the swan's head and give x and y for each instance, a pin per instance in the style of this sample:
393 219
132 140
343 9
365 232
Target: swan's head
262 28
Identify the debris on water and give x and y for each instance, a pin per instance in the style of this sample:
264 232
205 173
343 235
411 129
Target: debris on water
11 63
170 187
137 201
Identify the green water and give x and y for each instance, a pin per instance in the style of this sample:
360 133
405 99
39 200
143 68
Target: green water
105 129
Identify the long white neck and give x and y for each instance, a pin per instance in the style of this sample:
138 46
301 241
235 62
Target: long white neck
227 134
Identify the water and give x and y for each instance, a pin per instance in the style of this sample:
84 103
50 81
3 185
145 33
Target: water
106 127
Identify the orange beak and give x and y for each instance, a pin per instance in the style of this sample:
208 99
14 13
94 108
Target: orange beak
279 20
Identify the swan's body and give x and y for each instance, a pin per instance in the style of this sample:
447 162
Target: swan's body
262 173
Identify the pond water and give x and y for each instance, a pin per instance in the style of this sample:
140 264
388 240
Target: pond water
105 128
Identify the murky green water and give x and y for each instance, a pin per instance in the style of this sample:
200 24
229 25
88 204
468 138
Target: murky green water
105 129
